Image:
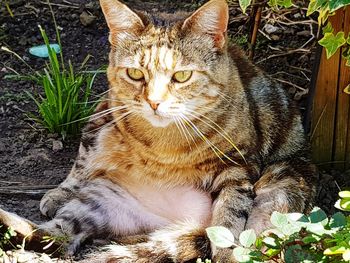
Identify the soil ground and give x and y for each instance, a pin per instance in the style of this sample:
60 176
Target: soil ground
32 161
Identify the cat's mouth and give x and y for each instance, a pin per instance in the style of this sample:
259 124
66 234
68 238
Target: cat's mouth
159 120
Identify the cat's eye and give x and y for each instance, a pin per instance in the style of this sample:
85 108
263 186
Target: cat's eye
182 76
135 74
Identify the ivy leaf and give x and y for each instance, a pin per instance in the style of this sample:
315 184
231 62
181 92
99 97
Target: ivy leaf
244 4
328 28
271 252
317 215
247 238
314 5
335 250
344 194
296 254
332 42
347 91
290 229
271 242
337 220
345 203
278 219
317 229
323 15
309 239
278 3
336 4
241 254
220 236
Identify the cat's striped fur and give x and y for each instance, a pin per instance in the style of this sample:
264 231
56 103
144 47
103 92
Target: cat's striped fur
162 160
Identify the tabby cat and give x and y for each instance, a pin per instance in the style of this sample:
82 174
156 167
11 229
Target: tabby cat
190 135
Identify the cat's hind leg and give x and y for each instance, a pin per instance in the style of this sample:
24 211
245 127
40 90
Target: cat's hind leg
286 186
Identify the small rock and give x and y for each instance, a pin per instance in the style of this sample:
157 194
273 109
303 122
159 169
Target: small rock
87 19
303 33
45 258
22 41
90 5
270 28
57 145
275 37
25 257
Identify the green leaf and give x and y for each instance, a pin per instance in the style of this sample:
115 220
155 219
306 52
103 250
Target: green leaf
316 228
259 243
290 229
271 252
327 28
347 91
317 215
12 232
337 220
278 219
332 42
280 3
314 5
309 239
344 194
345 203
241 254
244 4
271 242
247 238
296 254
336 4
220 236
335 250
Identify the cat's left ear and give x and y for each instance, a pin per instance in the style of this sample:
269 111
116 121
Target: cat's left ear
121 20
212 19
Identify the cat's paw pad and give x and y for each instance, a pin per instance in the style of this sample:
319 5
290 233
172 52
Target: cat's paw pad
53 200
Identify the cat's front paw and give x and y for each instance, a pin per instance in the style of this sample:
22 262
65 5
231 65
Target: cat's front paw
223 255
53 200
259 221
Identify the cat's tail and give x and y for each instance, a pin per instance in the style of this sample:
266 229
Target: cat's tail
184 242
27 234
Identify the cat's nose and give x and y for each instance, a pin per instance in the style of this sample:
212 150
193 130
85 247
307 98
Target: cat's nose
154 105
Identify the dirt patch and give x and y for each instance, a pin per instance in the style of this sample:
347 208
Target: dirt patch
33 161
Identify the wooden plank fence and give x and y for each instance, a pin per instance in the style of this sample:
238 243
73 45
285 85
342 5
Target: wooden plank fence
330 121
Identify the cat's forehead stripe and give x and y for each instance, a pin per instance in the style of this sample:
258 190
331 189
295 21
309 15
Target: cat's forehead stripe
157 58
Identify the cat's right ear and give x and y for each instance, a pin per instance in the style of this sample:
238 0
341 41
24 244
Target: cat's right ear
121 20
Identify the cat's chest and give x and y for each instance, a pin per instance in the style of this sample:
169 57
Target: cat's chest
126 162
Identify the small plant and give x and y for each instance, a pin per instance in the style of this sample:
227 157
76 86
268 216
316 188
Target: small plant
5 238
63 106
294 238
344 202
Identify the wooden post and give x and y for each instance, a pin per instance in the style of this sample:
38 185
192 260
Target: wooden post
331 106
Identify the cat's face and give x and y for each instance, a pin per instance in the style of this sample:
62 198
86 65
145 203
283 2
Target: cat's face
167 73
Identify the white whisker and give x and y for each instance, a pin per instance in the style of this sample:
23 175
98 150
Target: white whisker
184 133
215 149
223 133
